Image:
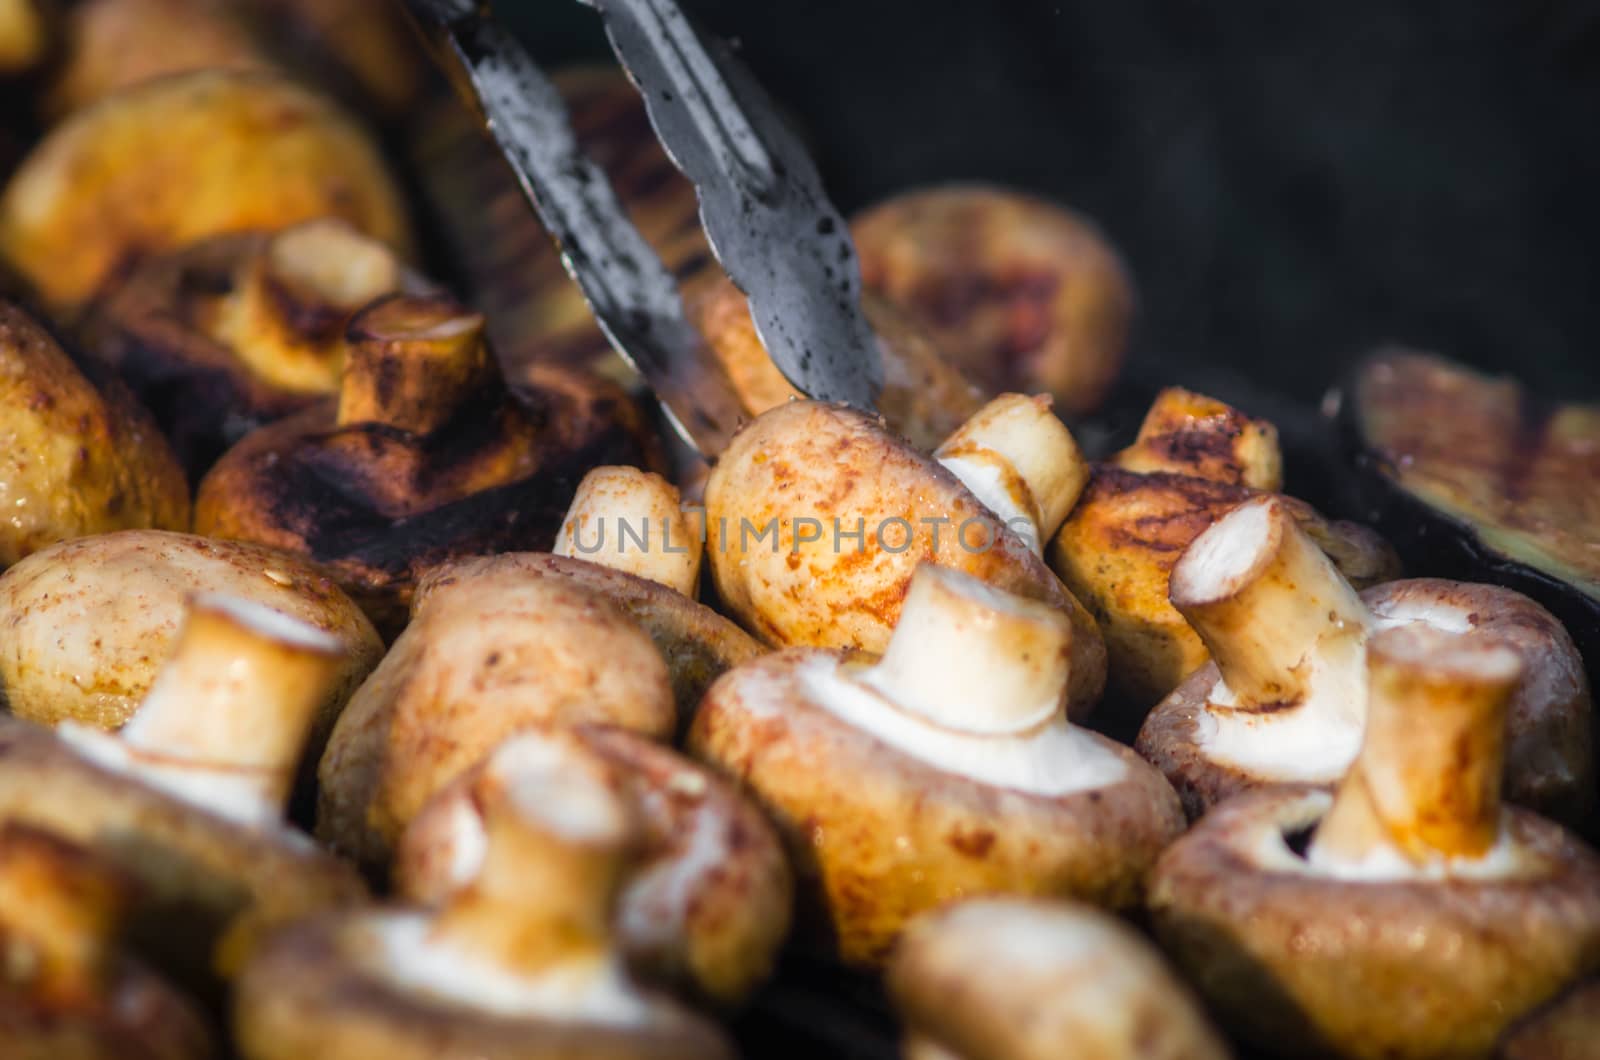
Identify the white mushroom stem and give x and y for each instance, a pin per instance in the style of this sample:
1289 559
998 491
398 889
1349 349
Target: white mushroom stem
632 520
973 658
1427 780
557 834
1020 461
1268 603
410 363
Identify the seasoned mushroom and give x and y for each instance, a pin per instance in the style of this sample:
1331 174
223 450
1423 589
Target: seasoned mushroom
424 456
1020 293
519 964
188 798
1021 979
65 990
74 460
946 769
239 330
705 905
1567 1029
817 517
1423 917
1285 698
175 160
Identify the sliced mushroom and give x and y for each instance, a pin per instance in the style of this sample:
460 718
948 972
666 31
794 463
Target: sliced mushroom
1020 979
521 963
1285 698
424 456
817 517
705 905
75 460
175 160
1422 917
948 768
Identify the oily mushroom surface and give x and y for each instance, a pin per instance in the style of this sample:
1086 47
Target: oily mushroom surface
74 459
1020 293
1021 979
706 900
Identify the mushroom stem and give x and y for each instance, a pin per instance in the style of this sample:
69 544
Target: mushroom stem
1427 780
410 363
556 834
970 657
632 520
58 909
1019 460
1268 603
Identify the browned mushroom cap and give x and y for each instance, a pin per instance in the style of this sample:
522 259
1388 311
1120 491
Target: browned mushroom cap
817 517
947 769
518 964
65 992
1568 1029
1288 703
1421 917
1018 979
75 460
1191 434
706 903
1020 293
425 456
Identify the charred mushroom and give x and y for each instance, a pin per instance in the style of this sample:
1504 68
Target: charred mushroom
425 455
519 964
1020 293
1423 917
74 460
705 905
1285 698
945 769
817 517
1015 979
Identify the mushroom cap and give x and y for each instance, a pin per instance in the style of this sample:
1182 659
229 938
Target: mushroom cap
877 834
316 990
76 460
809 460
89 622
481 659
180 158
1549 749
1567 1029
1020 293
377 506
707 901
1023 979
1408 967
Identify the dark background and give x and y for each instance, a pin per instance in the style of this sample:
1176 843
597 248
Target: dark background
1290 184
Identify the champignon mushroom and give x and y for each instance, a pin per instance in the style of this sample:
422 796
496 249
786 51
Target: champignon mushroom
817 517
181 158
74 460
1423 917
65 989
521 963
945 769
188 798
425 455
1284 699
705 905
1024 979
1567 1029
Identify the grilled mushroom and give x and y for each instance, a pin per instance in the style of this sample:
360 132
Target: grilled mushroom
181 158
1423 917
1018 979
1285 698
424 456
74 460
703 908
65 990
519 964
946 769
817 517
